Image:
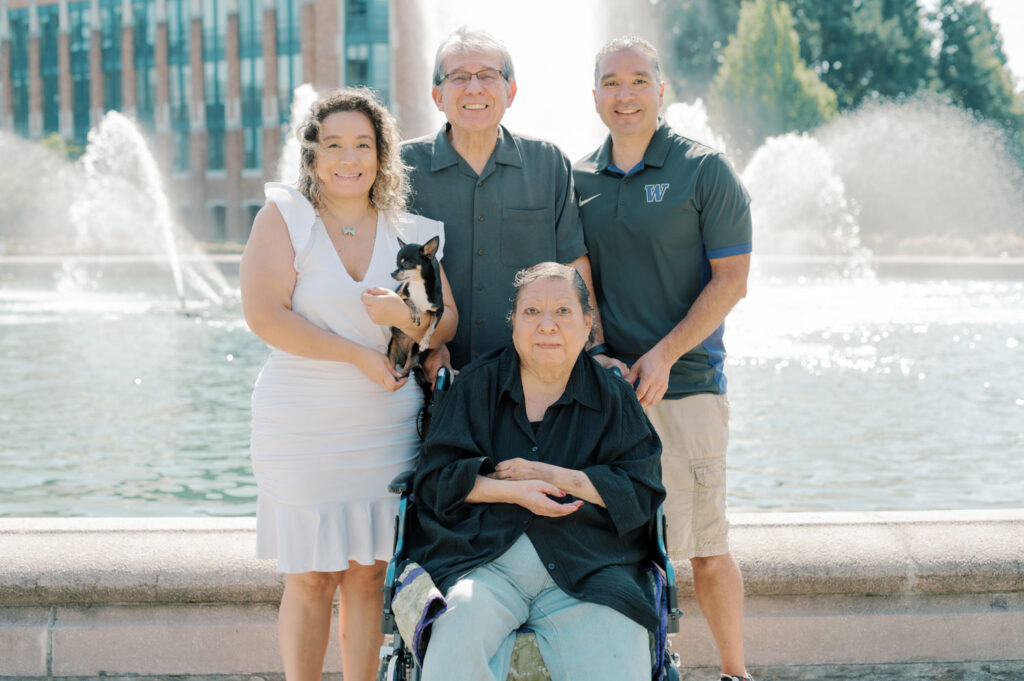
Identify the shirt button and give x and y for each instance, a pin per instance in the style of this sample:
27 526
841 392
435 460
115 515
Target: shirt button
479 251
479 218
477 354
479 321
479 287
534 448
479 184
551 566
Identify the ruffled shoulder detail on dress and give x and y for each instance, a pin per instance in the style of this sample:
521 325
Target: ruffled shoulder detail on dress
416 229
298 213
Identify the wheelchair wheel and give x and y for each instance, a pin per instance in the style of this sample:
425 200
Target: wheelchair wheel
398 666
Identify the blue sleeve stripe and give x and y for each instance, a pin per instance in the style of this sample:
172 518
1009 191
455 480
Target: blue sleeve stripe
730 250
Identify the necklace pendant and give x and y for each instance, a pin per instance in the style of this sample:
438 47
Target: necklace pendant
348 231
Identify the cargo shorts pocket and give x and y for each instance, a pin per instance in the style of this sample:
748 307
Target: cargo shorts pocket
527 236
709 473
710 525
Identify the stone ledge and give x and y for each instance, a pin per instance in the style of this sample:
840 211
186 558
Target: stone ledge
210 560
90 597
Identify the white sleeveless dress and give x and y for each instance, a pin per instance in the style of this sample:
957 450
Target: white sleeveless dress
326 440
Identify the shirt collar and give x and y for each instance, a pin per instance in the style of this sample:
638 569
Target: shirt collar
582 386
506 151
654 156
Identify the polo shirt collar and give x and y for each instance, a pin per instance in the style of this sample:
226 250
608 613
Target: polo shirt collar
658 147
506 151
654 156
582 386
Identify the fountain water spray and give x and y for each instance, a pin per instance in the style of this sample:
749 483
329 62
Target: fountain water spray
106 162
288 165
120 208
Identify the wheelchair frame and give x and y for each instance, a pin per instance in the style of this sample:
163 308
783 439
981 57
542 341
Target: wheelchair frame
397 660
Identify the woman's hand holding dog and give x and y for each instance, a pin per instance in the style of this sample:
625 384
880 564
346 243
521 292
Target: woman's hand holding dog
378 368
385 307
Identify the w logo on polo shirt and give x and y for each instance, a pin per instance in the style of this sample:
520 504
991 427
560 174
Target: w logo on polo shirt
655 192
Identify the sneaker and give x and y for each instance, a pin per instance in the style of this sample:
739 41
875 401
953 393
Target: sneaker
726 677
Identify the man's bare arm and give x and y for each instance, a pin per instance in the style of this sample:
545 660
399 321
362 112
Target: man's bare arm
727 287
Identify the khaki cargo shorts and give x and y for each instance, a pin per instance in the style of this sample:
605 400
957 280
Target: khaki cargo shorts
694 433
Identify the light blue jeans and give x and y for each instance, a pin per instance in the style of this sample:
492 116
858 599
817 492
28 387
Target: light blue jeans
473 640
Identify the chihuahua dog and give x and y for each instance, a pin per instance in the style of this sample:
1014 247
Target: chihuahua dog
420 287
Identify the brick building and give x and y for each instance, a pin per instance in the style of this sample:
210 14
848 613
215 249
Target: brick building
209 81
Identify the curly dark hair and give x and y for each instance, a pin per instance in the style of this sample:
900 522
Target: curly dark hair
390 189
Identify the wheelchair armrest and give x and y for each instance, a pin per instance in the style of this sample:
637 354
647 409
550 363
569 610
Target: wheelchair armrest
402 483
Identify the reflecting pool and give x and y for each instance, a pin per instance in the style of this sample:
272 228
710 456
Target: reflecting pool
859 394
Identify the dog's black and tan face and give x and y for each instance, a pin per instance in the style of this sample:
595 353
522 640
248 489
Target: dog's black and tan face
412 257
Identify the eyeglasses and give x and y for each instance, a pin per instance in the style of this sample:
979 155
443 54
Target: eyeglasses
483 76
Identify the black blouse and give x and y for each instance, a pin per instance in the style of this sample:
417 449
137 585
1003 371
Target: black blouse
597 426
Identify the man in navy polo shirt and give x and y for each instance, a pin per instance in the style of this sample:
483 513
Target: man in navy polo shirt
667 225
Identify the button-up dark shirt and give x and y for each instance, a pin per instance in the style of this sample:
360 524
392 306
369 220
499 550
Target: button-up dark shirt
519 211
597 426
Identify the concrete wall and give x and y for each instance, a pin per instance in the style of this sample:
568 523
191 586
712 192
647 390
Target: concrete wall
89 597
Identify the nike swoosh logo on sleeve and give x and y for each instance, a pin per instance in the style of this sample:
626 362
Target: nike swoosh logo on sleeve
587 200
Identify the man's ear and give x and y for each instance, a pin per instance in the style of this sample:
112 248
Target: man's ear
437 97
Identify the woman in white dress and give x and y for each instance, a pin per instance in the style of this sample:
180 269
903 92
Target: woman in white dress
333 422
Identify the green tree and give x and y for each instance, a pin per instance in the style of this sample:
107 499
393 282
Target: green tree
763 87
972 65
697 32
865 49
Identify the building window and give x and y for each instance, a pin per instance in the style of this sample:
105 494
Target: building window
215 145
110 43
367 60
180 80
219 222
145 63
250 58
17 20
215 73
289 58
49 71
250 217
78 18
357 65
253 146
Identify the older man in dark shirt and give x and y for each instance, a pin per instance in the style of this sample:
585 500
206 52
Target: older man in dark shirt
506 200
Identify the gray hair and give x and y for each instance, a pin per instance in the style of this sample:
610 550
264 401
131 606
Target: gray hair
627 42
466 39
551 270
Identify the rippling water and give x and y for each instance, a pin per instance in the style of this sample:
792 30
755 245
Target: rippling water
846 395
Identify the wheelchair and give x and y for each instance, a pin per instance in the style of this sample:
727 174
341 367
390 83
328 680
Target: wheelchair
398 662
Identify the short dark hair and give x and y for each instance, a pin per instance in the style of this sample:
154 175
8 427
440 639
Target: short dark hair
550 270
627 42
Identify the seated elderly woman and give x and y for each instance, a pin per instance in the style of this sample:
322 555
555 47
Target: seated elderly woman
535 495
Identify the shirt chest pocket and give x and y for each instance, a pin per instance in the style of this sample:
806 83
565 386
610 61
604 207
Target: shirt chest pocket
527 236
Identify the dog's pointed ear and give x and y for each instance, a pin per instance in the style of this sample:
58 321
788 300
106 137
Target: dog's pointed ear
430 248
401 244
